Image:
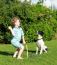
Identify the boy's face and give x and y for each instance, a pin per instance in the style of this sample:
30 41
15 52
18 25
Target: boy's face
17 23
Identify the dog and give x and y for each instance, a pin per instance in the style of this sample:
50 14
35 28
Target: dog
40 45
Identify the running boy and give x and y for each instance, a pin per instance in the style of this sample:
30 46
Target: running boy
18 34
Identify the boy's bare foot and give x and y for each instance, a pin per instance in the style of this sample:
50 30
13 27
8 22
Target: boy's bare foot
14 56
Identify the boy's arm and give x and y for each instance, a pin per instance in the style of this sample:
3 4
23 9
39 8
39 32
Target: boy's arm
10 28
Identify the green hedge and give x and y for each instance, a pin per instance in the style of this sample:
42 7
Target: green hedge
33 18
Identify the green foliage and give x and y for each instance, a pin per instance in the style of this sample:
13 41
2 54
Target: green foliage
33 18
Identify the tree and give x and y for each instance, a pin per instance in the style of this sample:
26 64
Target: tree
41 2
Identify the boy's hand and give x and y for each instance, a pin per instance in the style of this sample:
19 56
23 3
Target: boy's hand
10 28
24 43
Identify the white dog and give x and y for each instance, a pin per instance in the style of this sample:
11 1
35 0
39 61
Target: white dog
40 44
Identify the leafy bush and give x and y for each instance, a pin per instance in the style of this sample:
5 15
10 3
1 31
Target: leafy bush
33 18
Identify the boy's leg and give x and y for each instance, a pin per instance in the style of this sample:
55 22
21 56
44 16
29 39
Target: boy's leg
20 52
15 54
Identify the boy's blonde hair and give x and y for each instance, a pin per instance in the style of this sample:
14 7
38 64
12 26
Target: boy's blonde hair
14 19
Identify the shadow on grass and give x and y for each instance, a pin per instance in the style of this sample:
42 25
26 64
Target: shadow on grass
6 53
11 53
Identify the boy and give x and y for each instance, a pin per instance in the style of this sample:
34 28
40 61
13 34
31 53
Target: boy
18 34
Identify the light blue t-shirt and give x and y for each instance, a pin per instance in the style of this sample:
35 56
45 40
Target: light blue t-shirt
18 33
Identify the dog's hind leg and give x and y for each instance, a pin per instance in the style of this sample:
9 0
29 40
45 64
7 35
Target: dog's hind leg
41 50
45 51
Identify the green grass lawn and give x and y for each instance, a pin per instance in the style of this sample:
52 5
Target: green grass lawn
6 52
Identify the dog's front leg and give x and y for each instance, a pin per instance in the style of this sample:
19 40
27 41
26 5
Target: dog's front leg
36 50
